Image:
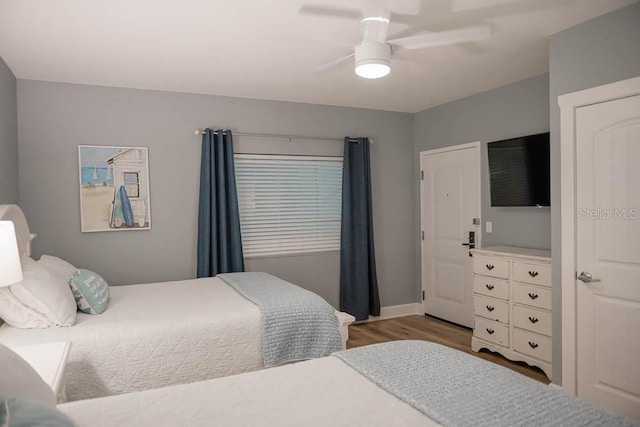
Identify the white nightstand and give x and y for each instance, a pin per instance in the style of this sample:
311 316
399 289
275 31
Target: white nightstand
50 361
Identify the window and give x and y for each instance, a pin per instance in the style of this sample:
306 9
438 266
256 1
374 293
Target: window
132 184
289 204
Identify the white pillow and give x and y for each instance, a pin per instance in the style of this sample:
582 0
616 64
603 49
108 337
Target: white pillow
47 293
58 266
23 291
18 315
20 380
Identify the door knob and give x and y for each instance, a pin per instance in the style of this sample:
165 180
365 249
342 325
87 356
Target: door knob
585 277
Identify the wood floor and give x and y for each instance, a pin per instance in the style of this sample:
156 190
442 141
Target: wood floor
431 329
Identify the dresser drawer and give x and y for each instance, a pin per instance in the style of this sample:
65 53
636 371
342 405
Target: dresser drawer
494 267
532 319
538 274
491 308
489 330
488 286
531 344
535 296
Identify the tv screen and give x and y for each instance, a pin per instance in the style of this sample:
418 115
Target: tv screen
519 171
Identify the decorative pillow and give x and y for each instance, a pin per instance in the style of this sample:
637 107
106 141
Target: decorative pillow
46 292
26 413
90 291
18 315
20 380
58 266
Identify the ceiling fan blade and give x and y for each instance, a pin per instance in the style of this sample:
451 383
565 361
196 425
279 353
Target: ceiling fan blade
390 8
331 12
332 63
398 10
442 38
405 7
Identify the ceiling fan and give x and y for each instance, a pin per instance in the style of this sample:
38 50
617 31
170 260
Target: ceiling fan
373 54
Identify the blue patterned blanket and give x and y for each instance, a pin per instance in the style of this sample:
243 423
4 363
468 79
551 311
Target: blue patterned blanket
457 389
297 324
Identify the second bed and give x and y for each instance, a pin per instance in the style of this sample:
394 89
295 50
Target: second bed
160 334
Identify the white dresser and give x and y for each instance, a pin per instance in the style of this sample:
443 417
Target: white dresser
512 303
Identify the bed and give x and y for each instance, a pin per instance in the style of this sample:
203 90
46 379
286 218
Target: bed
402 383
161 334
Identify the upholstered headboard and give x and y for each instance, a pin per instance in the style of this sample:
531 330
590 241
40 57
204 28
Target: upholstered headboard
23 235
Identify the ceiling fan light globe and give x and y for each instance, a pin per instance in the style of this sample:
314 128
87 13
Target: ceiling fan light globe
373 68
373 59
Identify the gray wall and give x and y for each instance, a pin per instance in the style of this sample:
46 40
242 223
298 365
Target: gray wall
54 118
600 51
8 136
518 109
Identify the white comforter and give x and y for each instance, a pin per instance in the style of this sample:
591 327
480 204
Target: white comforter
319 392
155 335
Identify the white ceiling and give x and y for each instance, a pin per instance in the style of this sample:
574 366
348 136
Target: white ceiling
272 50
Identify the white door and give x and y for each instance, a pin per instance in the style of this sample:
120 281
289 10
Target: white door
608 248
450 201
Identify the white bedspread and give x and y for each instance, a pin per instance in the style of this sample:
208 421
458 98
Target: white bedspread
155 335
319 392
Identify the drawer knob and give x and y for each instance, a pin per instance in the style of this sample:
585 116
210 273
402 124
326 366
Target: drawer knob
490 331
533 273
489 266
533 345
532 295
490 287
533 319
490 308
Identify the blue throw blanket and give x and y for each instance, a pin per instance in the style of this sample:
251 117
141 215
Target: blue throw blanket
297 324
457 389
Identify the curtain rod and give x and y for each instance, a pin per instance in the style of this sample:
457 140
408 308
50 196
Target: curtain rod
289 137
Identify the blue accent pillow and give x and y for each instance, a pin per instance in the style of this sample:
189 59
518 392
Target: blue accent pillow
25 413
90 291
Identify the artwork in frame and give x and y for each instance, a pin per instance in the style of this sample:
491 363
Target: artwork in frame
114 188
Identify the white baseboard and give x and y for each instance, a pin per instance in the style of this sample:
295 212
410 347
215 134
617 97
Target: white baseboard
396 311
556 386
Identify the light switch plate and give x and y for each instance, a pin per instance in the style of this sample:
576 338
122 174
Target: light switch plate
489 227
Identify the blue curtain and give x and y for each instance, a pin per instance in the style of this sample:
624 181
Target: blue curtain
219 240
358 281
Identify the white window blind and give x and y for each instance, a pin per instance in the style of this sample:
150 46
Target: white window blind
289 204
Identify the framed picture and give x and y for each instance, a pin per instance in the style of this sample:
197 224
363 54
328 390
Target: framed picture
114 188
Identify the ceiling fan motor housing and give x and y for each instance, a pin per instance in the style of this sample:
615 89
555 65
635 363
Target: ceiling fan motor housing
370 53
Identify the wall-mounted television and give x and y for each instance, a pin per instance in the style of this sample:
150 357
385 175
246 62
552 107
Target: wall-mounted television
519 171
